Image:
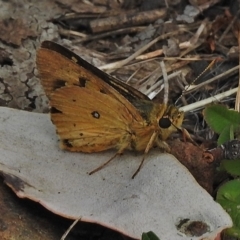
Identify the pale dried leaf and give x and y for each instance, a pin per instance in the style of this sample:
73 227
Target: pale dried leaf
161 195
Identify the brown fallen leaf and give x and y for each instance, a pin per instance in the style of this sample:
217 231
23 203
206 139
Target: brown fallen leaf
195 159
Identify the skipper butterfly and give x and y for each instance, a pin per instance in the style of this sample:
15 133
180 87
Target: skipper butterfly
93 111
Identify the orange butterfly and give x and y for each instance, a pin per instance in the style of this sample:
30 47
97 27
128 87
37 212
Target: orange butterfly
93 111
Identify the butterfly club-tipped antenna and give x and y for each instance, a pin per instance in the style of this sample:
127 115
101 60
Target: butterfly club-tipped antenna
189 85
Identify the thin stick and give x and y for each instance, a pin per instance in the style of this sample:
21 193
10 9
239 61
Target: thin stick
70 228
165 81
228 27
121 63
129 79
218 77
237 102
156 88
202 103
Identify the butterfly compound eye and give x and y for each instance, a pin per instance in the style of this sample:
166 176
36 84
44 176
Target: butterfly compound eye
164 122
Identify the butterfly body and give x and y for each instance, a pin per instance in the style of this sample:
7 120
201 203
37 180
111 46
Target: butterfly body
93 111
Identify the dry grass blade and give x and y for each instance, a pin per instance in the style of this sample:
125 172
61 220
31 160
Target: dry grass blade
204 102
218 77
119 64
228 28
237 103
158 86
70 228
165 81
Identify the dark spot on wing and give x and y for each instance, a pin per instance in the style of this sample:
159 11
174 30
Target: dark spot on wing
55 110
81 134
67 143
103 91
95 114
82 81
58 83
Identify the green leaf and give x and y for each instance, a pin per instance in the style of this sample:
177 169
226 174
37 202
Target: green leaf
150 236
218 117
231 166
229 197
225 135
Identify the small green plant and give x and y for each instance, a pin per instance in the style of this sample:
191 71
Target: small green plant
226 123
149 236
223 121
232 167
229 197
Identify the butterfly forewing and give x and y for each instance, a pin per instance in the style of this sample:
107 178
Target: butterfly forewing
50 50
60 73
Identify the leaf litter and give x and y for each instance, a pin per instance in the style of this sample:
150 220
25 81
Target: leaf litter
130 50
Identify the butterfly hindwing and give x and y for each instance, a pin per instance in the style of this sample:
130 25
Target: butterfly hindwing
90 121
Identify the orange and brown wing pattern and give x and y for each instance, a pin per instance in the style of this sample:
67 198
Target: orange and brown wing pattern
93 111
89 121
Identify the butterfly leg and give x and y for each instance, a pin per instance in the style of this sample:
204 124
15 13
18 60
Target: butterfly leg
163 145
104 164
124 145
149 145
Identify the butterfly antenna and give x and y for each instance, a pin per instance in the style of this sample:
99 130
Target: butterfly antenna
104 164
185 90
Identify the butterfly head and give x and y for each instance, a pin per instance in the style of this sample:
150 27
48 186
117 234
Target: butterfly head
171 121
